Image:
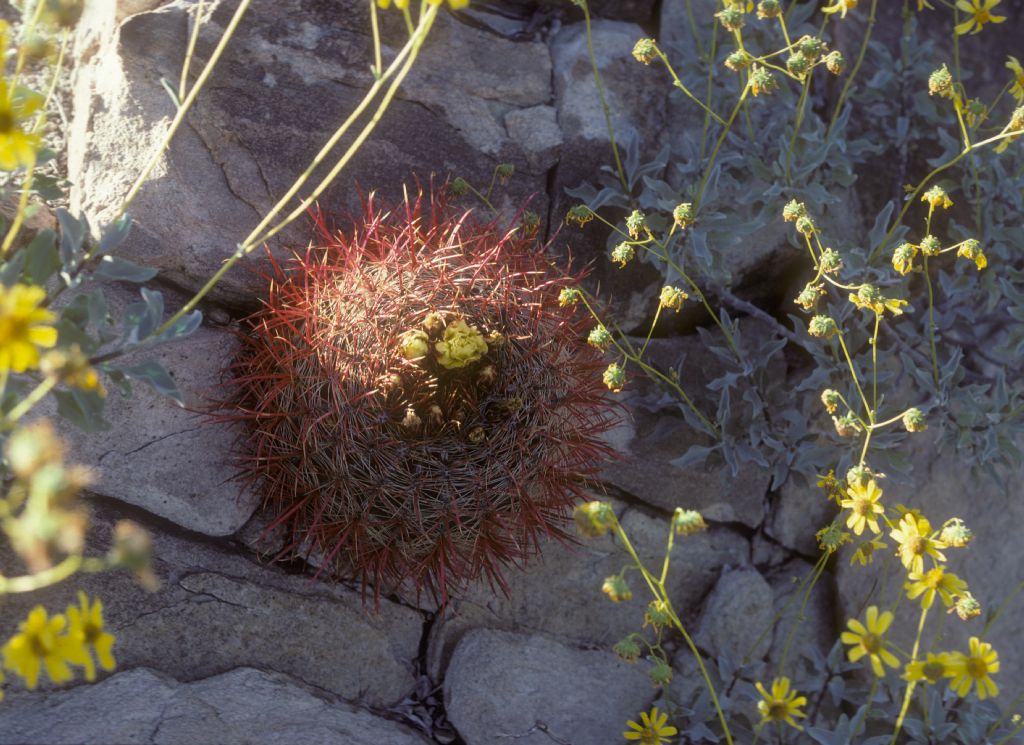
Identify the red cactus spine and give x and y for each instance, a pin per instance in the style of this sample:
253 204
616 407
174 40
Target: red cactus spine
417 405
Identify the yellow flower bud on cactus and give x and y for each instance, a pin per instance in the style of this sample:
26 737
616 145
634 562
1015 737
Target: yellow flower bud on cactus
462 345
415 344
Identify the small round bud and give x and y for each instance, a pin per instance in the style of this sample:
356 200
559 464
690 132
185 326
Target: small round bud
913 420
861 475
831 399
805 226
504 172
458 187
415 345
940 83
731 19
811 47
687 522
846 425
738 60
623 253
762 81
614 377
568 296
956 534
930 246
672 298
529 221
903 257
798 64
683 215
593 519
660 672
657 614
645 51
768 9
617 589
599 337
822 327
937 197
580 214
835 62
793 211
966 607
411 421
831 261
476 435
635 223
65 13
809 296
627 649
971 249
434 322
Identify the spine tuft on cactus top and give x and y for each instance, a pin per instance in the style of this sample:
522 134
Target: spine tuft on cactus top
417 405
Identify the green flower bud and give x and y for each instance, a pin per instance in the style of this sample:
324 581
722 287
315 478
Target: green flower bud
568 296
599 338
660 672
913 420
738 60
683 215
614 377
672 298
940 83
822 327
623 253
793 211
635 223
768 9
831 261
593 519
835 62
414 344
930 246
687 522
645 51
616 589
831 399
627 649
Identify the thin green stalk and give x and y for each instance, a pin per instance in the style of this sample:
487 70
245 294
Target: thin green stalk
874 367
912 684
249 244
193 38
710 90
25 405
694 31
804 90
659 592
51 576
681 86
818 569
378 65
844 94
931 323
853 372
183 108
718 145
604 100
1002 606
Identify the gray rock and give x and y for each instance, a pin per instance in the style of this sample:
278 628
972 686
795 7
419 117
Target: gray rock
239 707
168 460
536 131
817 629
535 690
293 72
216 610
797 514
735 614
559 593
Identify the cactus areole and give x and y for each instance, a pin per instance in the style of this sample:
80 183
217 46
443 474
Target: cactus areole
417 405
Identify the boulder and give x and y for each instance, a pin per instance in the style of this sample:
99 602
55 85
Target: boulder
534 690
239 707
292 73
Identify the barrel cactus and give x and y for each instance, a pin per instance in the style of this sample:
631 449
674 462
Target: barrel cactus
417 403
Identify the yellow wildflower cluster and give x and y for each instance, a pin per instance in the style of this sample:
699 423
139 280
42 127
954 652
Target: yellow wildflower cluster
54 643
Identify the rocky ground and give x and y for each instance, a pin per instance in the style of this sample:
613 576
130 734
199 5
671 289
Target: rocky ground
235 649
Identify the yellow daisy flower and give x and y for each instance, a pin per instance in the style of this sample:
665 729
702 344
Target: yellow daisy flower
979 12
975 668
934 582
867 640
841 7
17 147
40 643
24 327
930 670
864 507
86 624
1017 89
869 297
652 730
937 197
781 705
915 542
